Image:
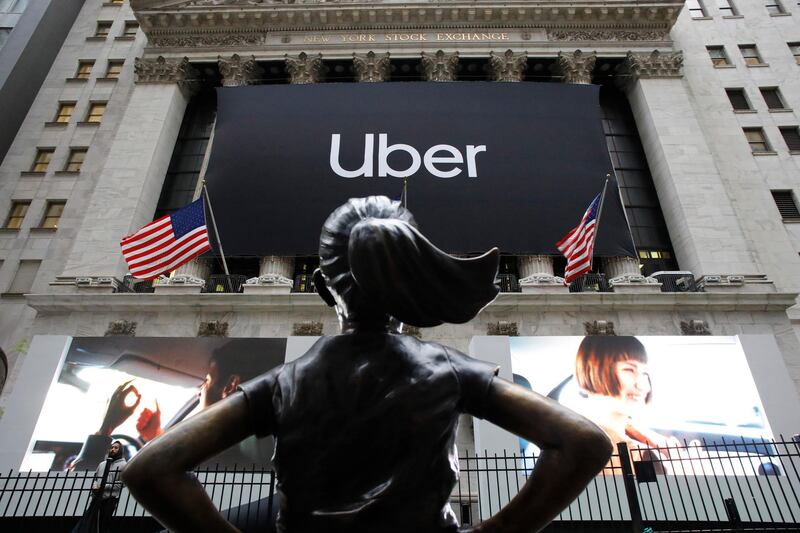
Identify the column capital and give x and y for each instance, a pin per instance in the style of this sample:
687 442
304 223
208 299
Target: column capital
371 67
304 68
577 67
439 66
238 71
508 66
163 70
653 65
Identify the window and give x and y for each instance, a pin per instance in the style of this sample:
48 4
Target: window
696 9
772 97
17 214
75 161
65 110
95 114
116 2
726 8
718 56
738 99
43 157
114 69
795 49
24 278
130 29
750 54
786 205
4 33
52 214
757 140
103 28
84 70
792 137
774 7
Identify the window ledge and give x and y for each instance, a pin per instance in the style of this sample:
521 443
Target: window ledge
77 80
760 65
96 38
9 231
744 111
125 38
87 123
781 110
702 18
765 153
112 4
780 14
31 174
724 66
733 16
43 230
12 295
67 172
54 124
791 220
794 152
107 79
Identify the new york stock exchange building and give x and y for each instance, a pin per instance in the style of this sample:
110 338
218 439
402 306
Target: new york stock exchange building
496 124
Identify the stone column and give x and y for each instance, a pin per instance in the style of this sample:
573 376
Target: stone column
371 67
133 175
508 66
274 276
439 66
304 68
576 67
705 231
238 71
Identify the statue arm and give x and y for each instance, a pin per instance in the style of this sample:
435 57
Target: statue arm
574 450
158 476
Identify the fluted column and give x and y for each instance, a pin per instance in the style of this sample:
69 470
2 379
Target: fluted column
274 276
237 71
371 67
576 67
304 68
439 66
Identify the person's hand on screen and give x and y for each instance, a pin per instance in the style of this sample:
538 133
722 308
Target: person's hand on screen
149 423
119 409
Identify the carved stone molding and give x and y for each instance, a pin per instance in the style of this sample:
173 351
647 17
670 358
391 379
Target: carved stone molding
439 66
125 328
269 279
371 67
412 331
508 66
599 327
238 71
304 68
576 67
653 65
97 282
307 329
509 329
694 327
162 70
215 328
208 40
608 35
181 279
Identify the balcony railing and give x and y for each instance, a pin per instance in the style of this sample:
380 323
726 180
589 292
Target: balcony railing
221 283
699 486
677 281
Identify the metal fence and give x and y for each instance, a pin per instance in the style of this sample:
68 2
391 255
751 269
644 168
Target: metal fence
699 486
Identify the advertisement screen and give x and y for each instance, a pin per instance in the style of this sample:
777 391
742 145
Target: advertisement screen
512 165
133 389
675 396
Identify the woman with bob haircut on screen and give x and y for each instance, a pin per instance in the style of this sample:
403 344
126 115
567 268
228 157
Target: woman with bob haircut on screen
365 422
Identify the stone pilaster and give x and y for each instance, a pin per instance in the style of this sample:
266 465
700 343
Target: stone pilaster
576 67
706 233
371 67
160 70
304 68
439 66
274 276
237 71
508 66
624 275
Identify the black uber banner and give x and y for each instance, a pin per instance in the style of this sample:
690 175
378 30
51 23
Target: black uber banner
512 165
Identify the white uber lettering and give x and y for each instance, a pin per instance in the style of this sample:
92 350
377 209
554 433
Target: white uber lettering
472 151
366 168
431 160
383 154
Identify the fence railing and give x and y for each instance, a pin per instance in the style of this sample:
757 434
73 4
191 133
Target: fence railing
701 485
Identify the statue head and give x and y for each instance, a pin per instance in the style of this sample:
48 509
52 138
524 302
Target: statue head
376 268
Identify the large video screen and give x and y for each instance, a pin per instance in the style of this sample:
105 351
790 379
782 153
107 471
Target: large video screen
133 389
680 397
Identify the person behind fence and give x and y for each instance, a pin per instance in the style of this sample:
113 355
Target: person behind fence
106 488
365 422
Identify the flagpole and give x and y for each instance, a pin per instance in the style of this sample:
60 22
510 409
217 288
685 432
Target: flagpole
405 192
597 219
214 225
627 221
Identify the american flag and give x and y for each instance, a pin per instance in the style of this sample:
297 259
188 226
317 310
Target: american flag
167 243
578 245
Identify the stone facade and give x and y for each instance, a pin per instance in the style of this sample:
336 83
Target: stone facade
715 195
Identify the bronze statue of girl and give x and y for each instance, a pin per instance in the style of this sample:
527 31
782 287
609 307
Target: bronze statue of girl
365 422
